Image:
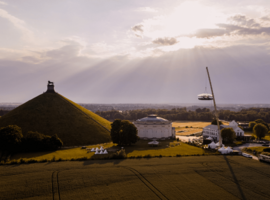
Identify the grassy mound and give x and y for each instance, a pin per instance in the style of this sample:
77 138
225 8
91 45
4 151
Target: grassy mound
51 113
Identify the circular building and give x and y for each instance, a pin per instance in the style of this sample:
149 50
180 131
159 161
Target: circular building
153 127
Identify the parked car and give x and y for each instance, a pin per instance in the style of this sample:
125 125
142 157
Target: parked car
265 145
246 155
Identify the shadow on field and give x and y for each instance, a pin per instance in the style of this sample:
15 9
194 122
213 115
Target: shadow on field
111 161
235 179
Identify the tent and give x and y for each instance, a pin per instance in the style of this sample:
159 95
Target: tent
212 145
222 150
229 149
209 138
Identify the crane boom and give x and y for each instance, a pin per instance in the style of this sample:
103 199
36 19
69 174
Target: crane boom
219 133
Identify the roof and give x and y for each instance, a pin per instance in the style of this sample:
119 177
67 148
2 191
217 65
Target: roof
152 118
214 127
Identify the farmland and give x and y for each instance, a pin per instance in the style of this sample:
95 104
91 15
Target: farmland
200 177
189 127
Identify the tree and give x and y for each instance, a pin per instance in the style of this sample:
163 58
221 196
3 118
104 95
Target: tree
241 127
251 125
10 138
260 130
124 132
214 122
228 135
262 122
35 141
55 142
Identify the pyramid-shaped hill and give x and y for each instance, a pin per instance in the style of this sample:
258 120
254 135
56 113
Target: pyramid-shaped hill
51 113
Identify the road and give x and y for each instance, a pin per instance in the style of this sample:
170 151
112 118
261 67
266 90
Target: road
239 148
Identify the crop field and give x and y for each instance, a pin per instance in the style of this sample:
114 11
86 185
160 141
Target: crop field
197 124
193 127
200 177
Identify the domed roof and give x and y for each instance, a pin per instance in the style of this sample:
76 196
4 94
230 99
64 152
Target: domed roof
152 118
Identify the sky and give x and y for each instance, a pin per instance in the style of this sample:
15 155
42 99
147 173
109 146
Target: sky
136 51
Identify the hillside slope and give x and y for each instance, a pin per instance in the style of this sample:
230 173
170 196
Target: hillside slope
51 113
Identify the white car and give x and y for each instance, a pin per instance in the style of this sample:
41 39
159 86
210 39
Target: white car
246 155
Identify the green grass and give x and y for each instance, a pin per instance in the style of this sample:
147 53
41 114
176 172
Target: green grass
165 148
141 148
64 154
203 177
51 113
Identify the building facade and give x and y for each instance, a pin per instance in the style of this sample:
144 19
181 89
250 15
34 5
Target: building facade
212 130
153 127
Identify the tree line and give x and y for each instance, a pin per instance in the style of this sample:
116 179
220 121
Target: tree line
12 141
200 114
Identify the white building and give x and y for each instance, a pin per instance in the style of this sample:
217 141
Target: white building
212 130
153 127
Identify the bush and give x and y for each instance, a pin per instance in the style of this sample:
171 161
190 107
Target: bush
13 162
121 154
35 141
266 150
22 161
32 161
186 126
148 156
53 159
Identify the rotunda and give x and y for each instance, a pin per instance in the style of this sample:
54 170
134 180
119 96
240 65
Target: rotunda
153 127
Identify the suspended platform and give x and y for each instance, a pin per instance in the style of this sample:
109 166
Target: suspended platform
205 96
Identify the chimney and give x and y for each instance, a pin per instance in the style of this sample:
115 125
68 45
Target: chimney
50 88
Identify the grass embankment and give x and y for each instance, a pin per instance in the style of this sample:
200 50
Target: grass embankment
140 149
51 113
205 177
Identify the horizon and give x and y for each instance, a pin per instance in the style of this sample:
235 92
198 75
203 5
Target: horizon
150 53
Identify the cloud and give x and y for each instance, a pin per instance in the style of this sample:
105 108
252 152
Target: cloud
166 41
242 20
137 28
238 25
146 9
18 23
3 3
144 80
